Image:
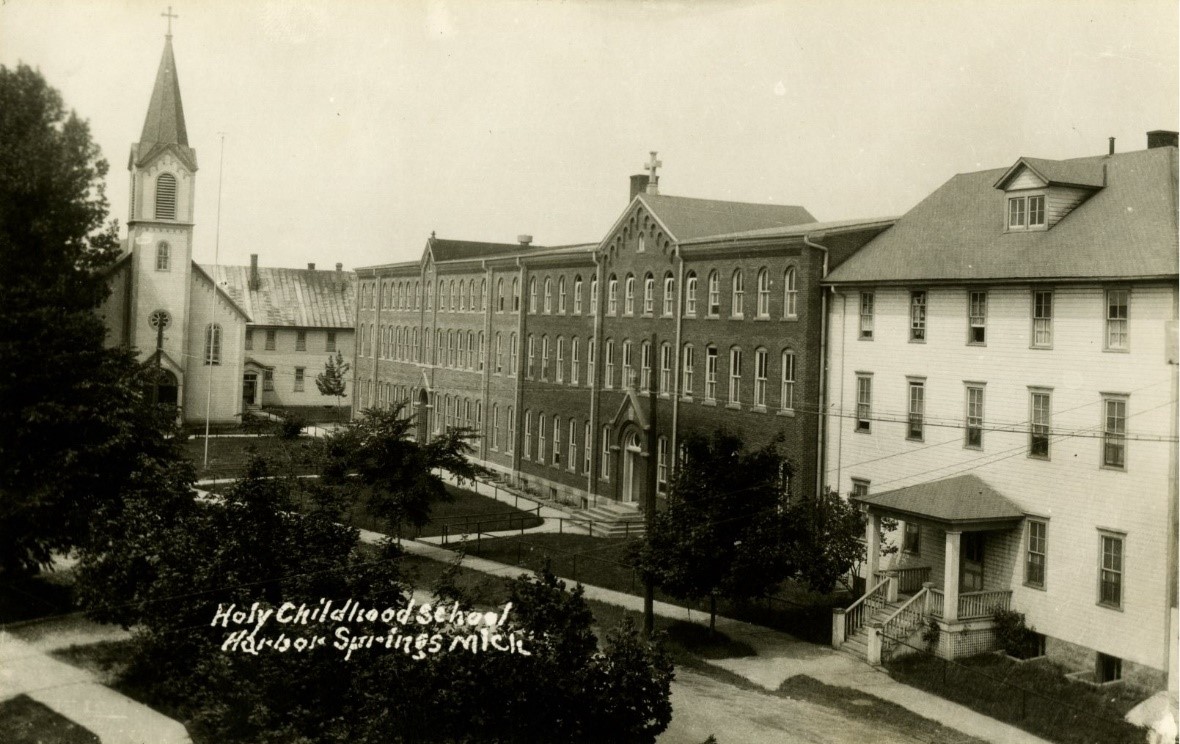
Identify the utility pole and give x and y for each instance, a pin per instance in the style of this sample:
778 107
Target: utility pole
649 498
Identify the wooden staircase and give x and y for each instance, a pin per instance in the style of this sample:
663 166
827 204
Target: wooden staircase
857 644
613 519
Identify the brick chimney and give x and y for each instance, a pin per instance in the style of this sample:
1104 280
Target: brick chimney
638 185
254 282
524 240
310 266
1162 138
339 276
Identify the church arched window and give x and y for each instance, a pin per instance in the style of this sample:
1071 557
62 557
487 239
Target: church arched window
163 256
213 344
166 197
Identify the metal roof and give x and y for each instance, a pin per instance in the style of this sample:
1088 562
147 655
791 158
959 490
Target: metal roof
961 499
300 298
688 218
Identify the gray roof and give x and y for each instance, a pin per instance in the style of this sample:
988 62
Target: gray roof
1126 229
300 298
961 499
689 218
795 231
164 124
463 250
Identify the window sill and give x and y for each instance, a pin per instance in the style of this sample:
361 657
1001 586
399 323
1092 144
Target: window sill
917 340
1113 468
1038 587
791 318
860 430
1043 458
977 343
686 399
1117 351
1108 606
759 409
789 412
864 338
1041 348
919 440
761 318
736 317
708 402
734 406
976 448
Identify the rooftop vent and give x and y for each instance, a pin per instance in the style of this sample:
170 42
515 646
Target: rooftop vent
255 282
524 239
311 266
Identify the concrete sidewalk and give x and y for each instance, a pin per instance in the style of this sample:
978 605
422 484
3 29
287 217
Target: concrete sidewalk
73 692
779 656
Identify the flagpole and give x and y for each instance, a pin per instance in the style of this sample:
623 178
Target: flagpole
213 314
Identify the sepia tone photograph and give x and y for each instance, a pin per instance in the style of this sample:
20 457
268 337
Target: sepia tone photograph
609 371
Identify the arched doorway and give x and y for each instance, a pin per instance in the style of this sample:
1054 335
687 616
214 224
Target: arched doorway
633 467
167 388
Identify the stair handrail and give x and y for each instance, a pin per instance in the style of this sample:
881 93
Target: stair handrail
893 630
854 615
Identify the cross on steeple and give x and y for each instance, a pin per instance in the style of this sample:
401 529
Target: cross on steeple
653 180
169 15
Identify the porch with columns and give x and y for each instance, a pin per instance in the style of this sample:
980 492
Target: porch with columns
955 525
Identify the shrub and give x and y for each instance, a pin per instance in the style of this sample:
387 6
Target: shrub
291 427
931 634
1014 637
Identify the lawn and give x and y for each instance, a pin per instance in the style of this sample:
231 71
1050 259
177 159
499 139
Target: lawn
30 597
23 720
1033 696
228 455
605 562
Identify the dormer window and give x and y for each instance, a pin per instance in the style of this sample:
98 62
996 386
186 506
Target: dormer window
1026 212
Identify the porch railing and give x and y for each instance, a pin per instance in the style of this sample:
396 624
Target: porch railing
974 605
936 601
903 622
909 580
863 608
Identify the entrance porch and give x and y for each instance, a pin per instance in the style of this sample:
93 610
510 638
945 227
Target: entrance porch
959 539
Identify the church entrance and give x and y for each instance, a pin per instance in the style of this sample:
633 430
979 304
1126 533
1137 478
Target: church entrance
167 390
633 468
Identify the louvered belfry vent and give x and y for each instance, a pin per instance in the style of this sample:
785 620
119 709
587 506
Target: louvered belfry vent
166 197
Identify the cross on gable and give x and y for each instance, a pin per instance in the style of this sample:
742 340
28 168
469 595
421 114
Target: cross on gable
170 15
651 167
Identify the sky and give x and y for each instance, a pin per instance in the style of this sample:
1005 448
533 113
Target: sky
352 130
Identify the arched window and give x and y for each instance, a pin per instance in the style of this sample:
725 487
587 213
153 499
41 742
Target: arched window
604 468
498 350
714 294
578 295
735 375
430 295
556 440
559 369
528 435
738 297
574 361
561 295
629 296
444 297
515 294
690 294
548 295
590 362
212 344
531 353
510 431
608 357
761 365
483 293
791 294
645 366
662 464
612 295
163 256
166 197
500 295
479 353
628 370
542 447
512 354
587 448
533 295
649 294
462 298
687 368
544 357
371 341
666 368
495 426
417 296
787 392
455 296
593 295
669 294
572 463
763 293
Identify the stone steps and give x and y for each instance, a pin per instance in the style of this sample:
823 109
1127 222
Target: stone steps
614 519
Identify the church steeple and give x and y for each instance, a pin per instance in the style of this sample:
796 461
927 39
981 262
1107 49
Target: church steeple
165 117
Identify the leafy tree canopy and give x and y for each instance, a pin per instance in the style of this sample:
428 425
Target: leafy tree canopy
75 426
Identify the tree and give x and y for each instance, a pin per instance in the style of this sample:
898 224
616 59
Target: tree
76 424
332 380
826 539
724 531
401 474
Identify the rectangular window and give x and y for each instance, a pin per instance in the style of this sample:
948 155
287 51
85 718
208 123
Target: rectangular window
270 339
686 374
590 362
761 362
918 316
299 379
249 339
268 379
559 371
300 340
860 487
575 360
330 344
866 315
556 441
711 373
1036 211
1016 212
666 369
532 358
669 295
628 370
735 376
917 410
645 366
864 403
604 468
1038 443
662 465
609 362
510 431
1043 318
587 448
974 426
1110 572
787 391
544 358
1034 562
573 438
1117 301
912 541
1114 432
977 318
528 435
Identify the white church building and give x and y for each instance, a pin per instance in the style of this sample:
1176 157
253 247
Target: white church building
227 339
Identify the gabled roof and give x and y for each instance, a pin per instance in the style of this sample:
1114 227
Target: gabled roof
464 250
1088 172
299 298
1127 229
164 124
221 290
687 218
963 499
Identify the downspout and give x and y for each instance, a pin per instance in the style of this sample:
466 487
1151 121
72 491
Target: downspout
519 396
486 360
843 340
676 365
823 370
592 373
